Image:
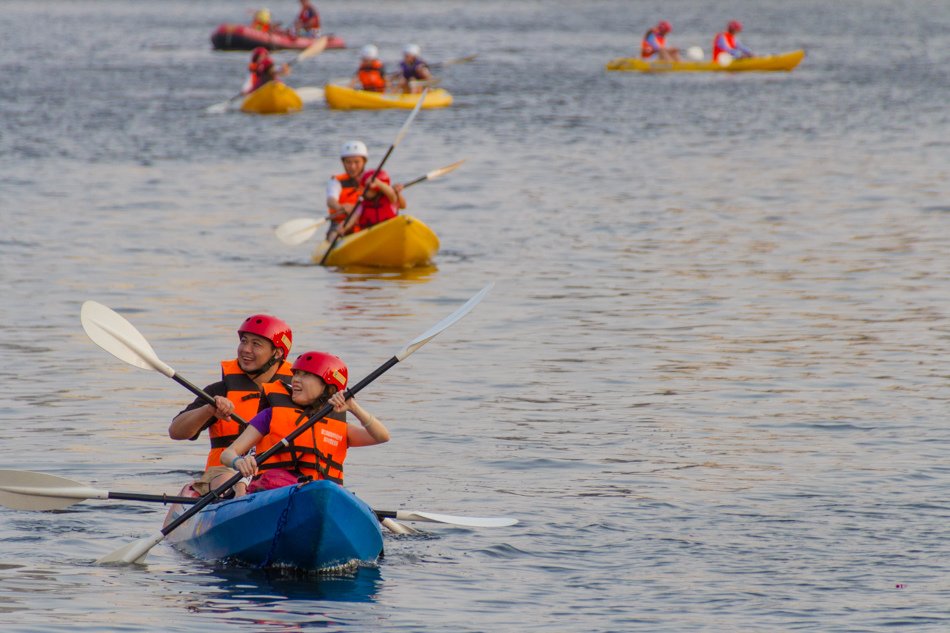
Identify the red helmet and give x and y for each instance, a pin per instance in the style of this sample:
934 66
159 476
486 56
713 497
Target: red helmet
664 27
734 26
327 367
258 52
271 328
383 176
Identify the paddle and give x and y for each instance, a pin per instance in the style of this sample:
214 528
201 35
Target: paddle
137 551
452 62
113 333
402 132
299 230
25 490
311 51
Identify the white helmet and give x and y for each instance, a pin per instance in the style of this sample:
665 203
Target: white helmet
369 52
354 148
412 49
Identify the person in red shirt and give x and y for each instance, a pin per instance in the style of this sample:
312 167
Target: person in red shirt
381 201
263 69
308 20
653 47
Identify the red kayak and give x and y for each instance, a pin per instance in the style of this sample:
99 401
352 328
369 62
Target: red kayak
241 37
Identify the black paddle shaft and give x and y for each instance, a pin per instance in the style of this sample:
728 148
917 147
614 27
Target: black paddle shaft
276 448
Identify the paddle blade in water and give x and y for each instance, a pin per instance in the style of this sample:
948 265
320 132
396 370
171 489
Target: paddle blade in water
433 517
133 553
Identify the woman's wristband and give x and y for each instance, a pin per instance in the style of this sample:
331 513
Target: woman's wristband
234 461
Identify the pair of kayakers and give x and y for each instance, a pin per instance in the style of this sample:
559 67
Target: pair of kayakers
260 386
726 44
382 200
371 74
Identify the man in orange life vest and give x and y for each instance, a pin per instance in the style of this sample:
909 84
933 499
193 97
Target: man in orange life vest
259 370
263 70
371 75
654 46
319 453
728 42
381 201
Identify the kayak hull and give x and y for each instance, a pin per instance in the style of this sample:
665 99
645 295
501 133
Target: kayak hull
241 37
767 63
345 98
400 242
318 526
273 97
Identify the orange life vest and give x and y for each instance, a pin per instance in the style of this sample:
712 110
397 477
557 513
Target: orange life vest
318 452
730 41
372 76
261 26
349 194
246 396
646 50
377 210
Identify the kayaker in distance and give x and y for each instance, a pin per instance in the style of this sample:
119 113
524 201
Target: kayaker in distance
263 70
261 21
412 68
245 386
654 46
343 190
381 201
307 23
371 75
318 378
728 42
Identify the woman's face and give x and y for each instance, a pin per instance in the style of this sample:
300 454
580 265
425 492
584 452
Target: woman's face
306 388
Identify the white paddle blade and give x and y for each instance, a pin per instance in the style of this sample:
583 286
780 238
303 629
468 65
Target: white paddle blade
24 490
398 528
298 230
218 108
116 335
724 59
313 50
694 53
133 553
311 94
405 126
432 517
444 324
438 173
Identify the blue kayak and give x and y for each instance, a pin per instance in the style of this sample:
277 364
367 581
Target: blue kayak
316 526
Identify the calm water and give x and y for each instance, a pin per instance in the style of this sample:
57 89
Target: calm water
711 381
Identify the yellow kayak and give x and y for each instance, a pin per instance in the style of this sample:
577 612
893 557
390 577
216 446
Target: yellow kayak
400 242
783 61
345 98
273 97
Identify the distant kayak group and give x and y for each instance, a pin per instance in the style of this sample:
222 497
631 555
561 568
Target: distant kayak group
728 54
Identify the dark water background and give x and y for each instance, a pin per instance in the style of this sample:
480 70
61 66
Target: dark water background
711 381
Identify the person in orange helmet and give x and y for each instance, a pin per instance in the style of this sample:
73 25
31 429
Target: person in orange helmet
653 47
319 379
259 370
728 42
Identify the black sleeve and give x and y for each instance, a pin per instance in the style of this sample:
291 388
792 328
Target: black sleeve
216 389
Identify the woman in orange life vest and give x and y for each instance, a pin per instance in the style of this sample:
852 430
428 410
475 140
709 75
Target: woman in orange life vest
308 20
371 75
381 201
319 452
343 190
263 70
728 42
261 21
654 45
247 382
